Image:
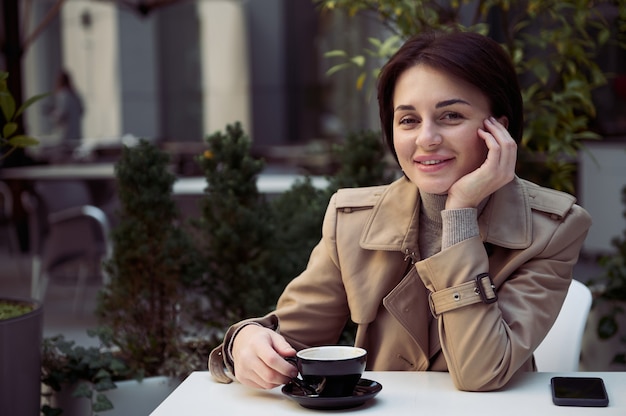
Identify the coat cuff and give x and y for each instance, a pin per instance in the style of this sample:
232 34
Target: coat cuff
221 363
481 289
458 225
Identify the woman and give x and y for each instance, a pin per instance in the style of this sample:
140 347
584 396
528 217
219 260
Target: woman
458 266
67 110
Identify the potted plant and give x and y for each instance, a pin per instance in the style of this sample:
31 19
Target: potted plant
604 341
73 371
21 329
21 320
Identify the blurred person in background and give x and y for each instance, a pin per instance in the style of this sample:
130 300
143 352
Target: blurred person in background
67 111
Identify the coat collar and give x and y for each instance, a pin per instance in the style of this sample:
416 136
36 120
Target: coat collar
393 225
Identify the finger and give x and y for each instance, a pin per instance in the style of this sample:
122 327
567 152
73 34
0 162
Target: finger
493 149
501 134
498 129
281 345
506 144
268 365
275 359
259 375
251 349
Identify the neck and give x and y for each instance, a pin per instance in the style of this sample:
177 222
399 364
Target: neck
432 205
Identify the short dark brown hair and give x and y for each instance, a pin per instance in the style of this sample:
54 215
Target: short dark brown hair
472 57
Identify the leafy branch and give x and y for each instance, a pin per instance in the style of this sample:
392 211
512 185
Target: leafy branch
553 45
10 136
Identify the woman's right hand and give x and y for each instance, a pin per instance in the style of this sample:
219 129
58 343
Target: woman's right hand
497 170
258 355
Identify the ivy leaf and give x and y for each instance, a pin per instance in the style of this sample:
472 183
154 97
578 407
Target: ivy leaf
83 390
50 411
102 403
620 359
607 327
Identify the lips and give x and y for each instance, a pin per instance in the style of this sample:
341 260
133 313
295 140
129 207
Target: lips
430 160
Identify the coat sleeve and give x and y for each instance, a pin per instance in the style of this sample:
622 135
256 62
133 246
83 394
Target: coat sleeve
486 344
313 309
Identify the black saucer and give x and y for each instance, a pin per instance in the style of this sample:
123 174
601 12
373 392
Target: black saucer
364 391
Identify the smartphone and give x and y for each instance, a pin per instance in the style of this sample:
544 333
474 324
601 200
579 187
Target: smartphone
579 391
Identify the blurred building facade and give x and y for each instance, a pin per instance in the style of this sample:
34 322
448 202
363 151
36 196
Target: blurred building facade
187 69
182 71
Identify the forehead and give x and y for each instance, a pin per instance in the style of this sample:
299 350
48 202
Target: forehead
425 84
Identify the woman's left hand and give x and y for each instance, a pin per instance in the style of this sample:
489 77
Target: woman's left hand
497 170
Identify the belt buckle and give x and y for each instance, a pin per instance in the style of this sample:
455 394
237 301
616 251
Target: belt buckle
480 291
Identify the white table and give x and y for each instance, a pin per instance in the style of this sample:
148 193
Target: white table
60 172
403 393
267 183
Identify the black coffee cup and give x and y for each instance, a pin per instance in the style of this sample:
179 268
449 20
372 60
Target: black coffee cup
329 371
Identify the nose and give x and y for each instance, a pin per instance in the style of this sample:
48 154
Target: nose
428 136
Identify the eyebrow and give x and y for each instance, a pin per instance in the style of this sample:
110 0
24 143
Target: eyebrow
451 102
440 104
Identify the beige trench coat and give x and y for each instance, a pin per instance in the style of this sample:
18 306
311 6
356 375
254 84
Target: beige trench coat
530 238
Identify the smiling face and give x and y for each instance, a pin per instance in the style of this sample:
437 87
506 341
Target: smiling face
436 118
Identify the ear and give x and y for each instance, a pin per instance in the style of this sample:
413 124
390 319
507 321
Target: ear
504 121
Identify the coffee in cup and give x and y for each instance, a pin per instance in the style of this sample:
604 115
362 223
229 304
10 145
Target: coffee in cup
331 370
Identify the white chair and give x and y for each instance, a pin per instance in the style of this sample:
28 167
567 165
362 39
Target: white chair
560 350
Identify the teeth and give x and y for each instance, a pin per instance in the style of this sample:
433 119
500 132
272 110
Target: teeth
431 162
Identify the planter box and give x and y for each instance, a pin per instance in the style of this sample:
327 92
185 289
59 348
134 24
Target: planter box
602 173
140 398
20 361
131 397
597 354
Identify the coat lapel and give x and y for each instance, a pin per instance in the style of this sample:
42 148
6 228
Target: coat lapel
507 218
393 226
394 218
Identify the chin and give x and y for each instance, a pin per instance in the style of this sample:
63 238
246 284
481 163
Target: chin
436 190
430 186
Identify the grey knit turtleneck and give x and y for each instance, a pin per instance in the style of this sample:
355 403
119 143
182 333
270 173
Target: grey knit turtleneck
441 228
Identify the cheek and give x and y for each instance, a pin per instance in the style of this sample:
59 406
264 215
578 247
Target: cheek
402 144
477 153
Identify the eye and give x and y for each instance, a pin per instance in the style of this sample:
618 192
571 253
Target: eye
452 116
408 120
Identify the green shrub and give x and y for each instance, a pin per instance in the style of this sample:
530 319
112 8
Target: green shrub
153 261
237 230
253 245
